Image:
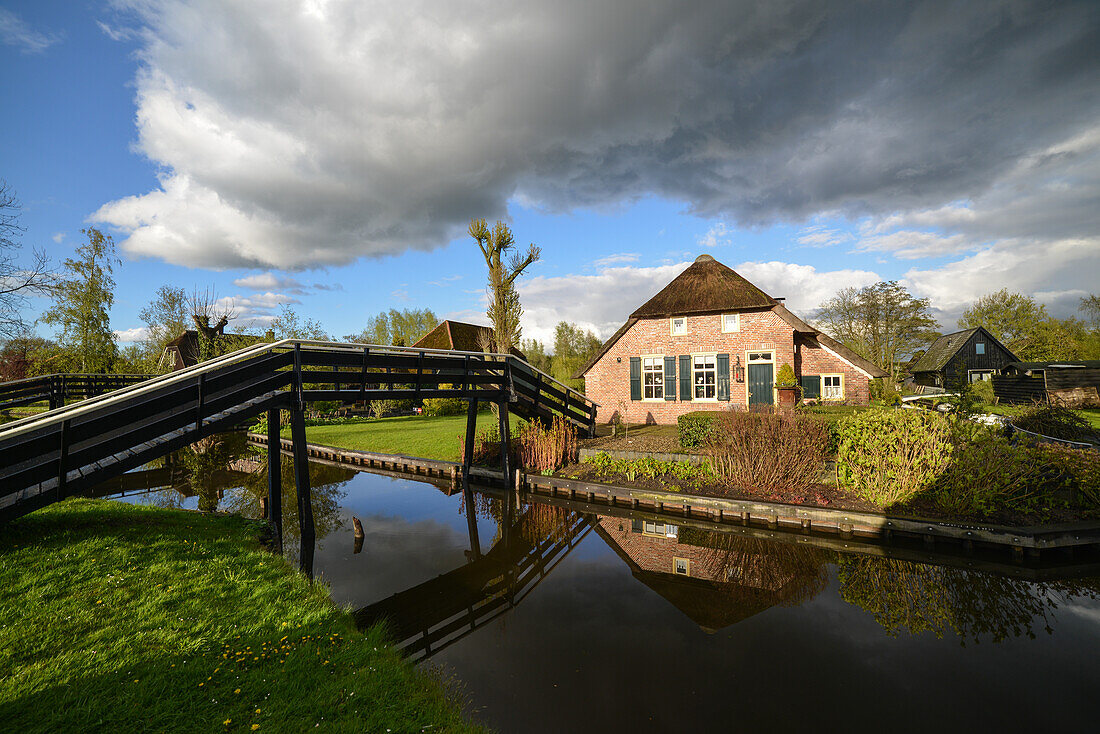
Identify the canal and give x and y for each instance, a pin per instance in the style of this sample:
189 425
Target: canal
551 618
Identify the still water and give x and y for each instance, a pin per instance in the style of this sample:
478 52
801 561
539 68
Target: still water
550 619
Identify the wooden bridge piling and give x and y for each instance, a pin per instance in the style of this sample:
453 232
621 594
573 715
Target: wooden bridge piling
275 477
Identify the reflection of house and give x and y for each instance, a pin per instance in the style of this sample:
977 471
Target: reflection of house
1074 382
459 336
965 356
714 580
710 339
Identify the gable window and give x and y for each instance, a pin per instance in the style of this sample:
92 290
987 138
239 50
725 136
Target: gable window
979 348
659 528
705 376
679 325
681 566
653 378
832 387
731 322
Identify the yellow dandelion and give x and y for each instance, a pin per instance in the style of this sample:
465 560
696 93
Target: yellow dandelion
227 722
257 711
255 727
237 691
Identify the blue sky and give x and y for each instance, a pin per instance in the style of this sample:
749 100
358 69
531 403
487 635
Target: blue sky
328 154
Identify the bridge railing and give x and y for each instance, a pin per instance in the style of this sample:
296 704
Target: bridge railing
55 388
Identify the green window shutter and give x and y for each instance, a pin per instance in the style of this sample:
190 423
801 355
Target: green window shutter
685 377
723 377
635 378
811 386
670 378
636 526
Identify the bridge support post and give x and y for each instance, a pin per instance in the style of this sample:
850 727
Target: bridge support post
301 483
275 478
505 443
467 493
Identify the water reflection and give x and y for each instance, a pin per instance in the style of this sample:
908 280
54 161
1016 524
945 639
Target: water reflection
536 606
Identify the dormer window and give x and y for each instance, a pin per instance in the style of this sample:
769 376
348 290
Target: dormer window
979 348
679 325
731 322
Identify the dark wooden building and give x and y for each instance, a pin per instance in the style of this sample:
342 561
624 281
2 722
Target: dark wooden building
956 359
1073 382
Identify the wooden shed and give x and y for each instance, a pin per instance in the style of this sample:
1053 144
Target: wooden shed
1073 382
961 358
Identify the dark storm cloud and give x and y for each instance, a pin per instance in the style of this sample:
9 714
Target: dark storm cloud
300 134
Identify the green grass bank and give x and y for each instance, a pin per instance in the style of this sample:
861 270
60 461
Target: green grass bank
116 617
423 436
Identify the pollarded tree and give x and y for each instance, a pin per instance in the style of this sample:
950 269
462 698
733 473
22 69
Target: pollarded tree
883 322
504 309
82 303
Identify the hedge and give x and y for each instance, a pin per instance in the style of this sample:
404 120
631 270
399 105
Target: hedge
695 428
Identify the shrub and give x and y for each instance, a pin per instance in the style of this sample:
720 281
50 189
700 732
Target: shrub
987 473
1078 469
647 468
1057 421
381 408
888 457
546 449
784 377
444 406
982 390
768 451
695 428
486 445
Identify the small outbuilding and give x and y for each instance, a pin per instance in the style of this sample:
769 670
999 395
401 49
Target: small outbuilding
459 336
1072 382
957 359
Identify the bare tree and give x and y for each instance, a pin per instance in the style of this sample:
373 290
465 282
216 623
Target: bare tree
504 307
18 282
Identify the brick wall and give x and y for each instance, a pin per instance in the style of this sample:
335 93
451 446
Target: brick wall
656 553
608 381
814 360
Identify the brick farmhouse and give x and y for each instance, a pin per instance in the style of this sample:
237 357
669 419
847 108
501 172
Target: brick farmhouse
711 340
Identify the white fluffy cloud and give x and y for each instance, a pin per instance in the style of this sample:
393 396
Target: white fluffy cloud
14 31
298 134
270 281
130 336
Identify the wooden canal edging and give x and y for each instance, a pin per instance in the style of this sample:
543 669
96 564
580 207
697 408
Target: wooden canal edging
678 506
845 523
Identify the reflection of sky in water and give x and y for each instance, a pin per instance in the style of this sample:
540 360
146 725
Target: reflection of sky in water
594 648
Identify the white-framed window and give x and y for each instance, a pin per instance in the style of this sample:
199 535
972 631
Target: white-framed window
832 387
704 376
659 528
681 566
653 378
678 325
979 348
731 322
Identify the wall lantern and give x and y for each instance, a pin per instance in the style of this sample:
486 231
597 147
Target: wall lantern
618 360
738 371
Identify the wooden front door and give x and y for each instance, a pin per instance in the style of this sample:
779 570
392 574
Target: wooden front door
760 385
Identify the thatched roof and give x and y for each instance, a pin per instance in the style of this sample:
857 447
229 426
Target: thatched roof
187 344
707 286
458 336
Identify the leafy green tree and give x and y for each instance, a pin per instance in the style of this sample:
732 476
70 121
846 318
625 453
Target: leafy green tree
82 304
504 310
572 348
536 354
287 325
397 328
167 316
26 356
1090 306
883 322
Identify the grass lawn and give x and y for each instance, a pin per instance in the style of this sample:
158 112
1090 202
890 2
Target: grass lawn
415 435
116 617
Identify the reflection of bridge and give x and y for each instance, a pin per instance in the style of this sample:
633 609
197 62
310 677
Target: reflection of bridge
433 615
152 480
69 450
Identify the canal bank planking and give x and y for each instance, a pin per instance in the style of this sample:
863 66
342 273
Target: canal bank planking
1020 541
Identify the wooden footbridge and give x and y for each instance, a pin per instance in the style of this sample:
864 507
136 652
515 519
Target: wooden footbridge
68 450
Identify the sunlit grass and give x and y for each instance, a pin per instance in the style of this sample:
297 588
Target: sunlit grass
116 617
422 436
